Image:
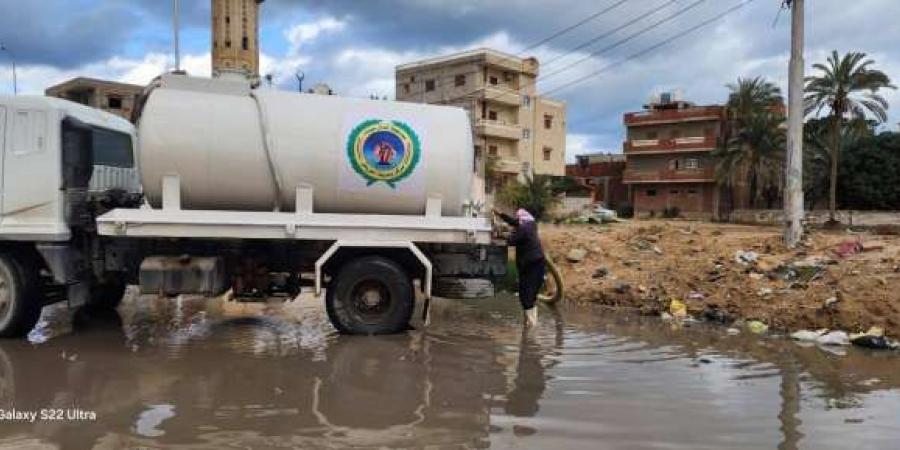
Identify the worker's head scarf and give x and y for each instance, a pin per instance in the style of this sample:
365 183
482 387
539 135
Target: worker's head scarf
524 216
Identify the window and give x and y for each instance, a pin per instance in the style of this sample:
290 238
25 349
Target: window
526 101
228 44
477 151
674 164
406 88
245 43
492 115
112 148
674 192
412 79
548 153
692 163
526 133
675 134
507 76
692 192
652 135
227 19
651 192
492 150
494 81
459 80
429 85
114 102
548 121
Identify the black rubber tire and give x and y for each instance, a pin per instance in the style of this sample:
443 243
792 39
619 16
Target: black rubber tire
25 302
346 309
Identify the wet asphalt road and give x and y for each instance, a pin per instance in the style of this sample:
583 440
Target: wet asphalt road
205 374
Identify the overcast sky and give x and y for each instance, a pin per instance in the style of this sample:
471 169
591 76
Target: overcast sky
354 45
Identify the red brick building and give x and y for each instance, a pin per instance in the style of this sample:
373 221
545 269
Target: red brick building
603 174
668 148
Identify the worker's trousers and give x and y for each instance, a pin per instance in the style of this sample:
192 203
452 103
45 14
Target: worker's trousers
531 278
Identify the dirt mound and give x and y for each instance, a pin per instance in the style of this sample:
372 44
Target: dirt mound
837 280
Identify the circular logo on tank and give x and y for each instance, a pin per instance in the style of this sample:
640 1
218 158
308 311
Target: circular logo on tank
383 151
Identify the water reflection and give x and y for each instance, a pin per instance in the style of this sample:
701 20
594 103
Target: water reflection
204 374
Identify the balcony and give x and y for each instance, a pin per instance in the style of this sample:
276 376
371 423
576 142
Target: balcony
673 116
704 175
658 146
502 95
497 129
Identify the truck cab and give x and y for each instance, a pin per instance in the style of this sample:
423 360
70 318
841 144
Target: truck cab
61 165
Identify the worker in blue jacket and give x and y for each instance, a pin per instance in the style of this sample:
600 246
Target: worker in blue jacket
529 260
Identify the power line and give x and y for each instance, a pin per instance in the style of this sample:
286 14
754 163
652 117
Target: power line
653 47
609 33
573 26
626 39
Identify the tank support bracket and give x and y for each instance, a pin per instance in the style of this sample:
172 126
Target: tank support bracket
426 263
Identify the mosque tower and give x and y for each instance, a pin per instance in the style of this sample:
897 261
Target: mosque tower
235 37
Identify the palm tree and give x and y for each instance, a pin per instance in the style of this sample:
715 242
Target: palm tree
848 88
535 194
752 146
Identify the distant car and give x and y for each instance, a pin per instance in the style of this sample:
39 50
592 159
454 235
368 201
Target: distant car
603 214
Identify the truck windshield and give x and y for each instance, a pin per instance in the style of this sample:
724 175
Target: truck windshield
112 148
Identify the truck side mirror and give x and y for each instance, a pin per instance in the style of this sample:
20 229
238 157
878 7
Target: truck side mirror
77 154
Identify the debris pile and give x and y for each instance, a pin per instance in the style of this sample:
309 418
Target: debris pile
839 283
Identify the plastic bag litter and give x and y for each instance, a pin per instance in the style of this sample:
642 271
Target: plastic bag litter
807 335
834 338
757 327
678 309
742 257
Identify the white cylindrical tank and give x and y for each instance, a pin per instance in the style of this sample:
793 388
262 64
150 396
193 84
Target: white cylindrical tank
249 150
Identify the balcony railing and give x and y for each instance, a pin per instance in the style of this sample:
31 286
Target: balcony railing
498 129
685 144
706 174
503 95
673 115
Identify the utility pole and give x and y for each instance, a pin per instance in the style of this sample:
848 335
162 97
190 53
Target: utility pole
176 43
793 198
12 59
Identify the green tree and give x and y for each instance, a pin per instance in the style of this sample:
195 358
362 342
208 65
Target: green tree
536 195
752 146
869 175
847 87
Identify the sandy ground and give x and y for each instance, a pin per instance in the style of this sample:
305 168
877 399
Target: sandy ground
646 264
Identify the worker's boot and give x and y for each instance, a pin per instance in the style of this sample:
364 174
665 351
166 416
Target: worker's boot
531 317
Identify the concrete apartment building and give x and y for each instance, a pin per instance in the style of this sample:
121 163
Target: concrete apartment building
668 149
603 174
235 37
110 96
519 129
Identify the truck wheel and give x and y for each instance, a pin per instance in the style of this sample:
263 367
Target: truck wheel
20 302
370 295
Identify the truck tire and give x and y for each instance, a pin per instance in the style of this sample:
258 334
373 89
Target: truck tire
20 300
370 295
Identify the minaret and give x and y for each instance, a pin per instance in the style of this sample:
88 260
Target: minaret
235 37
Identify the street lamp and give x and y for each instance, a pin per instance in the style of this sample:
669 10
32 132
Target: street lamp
12 58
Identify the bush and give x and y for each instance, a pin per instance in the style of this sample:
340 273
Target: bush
535 195
671 213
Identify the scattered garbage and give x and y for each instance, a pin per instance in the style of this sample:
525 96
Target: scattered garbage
757 327
848 248
874 338
694 295
834 338
807 335
745 258
831 302
600 272
715 315
733 331
622 288
765 292
678 309
576 255
665 316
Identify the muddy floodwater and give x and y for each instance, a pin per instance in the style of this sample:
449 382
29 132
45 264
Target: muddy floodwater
206 374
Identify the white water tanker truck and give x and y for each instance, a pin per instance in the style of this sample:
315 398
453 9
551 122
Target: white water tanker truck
223 187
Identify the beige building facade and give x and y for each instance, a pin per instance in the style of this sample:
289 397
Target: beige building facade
235 37
110 96
520 131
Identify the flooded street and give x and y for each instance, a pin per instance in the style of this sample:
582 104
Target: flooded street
202 374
